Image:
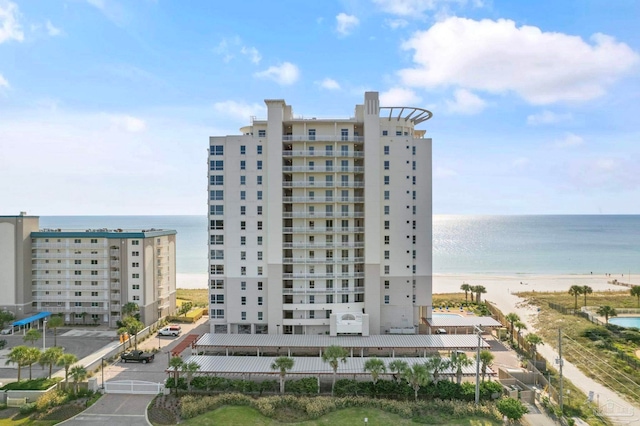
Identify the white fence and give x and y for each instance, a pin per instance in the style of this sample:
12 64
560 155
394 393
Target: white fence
133 387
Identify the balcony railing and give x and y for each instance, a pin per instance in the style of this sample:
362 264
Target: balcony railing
321 230
335 290
68 245
315 214
352 169
323 199
308 275
324 244
323 153
65 255
315 261
322 138
321 184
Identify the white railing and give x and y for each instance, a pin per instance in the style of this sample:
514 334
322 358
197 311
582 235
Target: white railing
323 153
322 261
321 184
322 199
338 244
321 230
62 266
65 255
321 214
69 245
352 169
335 290
321 138
323 275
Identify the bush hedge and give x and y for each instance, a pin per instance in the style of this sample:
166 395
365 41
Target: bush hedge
35 384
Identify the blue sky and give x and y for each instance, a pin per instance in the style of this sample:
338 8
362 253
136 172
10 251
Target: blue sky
106 106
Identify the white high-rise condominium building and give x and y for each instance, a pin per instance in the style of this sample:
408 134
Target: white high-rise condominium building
86 275
313 217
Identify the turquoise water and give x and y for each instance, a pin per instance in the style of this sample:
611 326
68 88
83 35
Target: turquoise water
626 321
461 244
444 315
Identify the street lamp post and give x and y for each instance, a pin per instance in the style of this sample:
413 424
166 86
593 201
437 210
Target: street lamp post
102 365
44 335
158 341
479 330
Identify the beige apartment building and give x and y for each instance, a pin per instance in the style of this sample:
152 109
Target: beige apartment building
86 275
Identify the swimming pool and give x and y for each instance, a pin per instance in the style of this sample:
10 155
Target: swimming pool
626 321
445 315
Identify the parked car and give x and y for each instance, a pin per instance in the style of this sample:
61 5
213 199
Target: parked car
171 330
8 330
137 356
441 331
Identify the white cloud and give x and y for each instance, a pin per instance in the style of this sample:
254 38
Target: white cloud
128 123
569 140
394 24
465 102
329 84
284 74
415 8
3 82
239 110
10 28
345 24
398 96
51 30
547 117
613 174
498 57
252 53
443 172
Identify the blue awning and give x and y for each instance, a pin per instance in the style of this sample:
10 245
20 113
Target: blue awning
29 320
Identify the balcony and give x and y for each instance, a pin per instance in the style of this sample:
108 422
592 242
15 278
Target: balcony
322 275
302 291
47 298
324 214
321 184
323 153
323 199
65 255
314 261
76 309
322 138
115 274
115 286
321 169
321 230
62 266
67 245
334 244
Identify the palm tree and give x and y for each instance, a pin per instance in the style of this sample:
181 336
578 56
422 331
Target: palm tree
436 364
66 361
480 289
458 362
635 291
466 288
397 366
32 336
55 322
190 368
32 355
333 355
586 290
376 367
486 359
607 312
519 325
79 373
512 318
575 291
534 340
176 362
284 364
416 376
129 309
472 290
50 357
17 356
133 327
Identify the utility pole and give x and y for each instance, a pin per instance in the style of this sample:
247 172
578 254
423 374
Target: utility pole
560 394
479 330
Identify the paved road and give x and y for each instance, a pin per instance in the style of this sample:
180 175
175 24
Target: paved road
114 409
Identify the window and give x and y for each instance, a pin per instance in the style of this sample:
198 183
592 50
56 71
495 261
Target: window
217 313
94 262
243 241
312 299
386 269
259 270
78 282
216 225
385 133
217 195
259 180
329 298
312 134
216 165
386 195
344 134
259 240
260 195
135 287
216 180
386 164
216 240
136 298
413 150
386 150
386 254
329 284
217 299
94 283
259 255
217 254
243 270
328 313
243 149
78 293
345 298
259 164
260 285
259 300
413 195
259 210
386 180
77 241
78 304
135 253
243 180
414 180
243 165
94 294
243 225
217 150
75 272
262 133
386 239
243 255
386 225
135 275
259 316
243 285
217 269
259 149
95 305
94 241
399 132
259 225
77 262
135 242
243 300
94 273
216 210
413 166
386 284
243 210
243 316
387 209
386 299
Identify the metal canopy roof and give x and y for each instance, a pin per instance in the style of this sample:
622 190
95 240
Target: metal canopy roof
31 319
302 365
421 341
460 321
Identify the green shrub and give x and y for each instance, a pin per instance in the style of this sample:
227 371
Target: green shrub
306 386
512 408
35 384
28 408
51 399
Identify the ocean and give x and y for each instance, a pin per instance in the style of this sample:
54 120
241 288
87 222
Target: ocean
541 244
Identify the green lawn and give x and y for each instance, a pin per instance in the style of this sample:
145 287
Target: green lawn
347 417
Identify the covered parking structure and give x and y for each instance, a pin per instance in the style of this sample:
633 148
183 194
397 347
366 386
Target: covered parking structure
29 322
256 368
457 324
311 345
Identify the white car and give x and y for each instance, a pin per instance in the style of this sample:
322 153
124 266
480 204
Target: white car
172 330
7 330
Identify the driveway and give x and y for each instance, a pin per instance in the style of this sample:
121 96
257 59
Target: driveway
114 409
